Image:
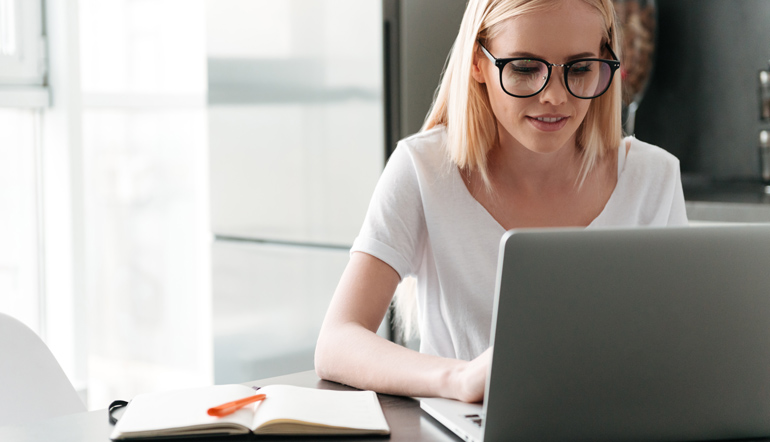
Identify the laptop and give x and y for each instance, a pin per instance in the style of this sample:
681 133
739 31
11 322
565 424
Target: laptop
653 334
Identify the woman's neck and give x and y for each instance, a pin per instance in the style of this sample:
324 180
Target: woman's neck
532 189
512 165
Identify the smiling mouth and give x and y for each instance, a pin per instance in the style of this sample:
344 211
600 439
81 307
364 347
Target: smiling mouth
548 124
549 120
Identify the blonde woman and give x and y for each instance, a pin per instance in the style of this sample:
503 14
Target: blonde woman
525 131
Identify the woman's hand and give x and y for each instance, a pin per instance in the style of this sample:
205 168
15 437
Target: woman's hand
470 379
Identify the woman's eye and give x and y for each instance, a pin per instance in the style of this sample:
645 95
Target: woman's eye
524 70
525 67
581 68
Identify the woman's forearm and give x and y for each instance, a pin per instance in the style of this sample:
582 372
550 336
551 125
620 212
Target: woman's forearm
352 355
350 352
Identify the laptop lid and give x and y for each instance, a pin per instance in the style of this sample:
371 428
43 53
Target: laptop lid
631 334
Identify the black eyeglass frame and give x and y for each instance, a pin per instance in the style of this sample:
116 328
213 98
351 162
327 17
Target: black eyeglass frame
501 62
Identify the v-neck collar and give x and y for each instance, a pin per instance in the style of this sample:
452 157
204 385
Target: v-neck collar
622 160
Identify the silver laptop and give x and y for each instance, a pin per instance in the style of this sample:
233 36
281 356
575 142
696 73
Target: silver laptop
626 334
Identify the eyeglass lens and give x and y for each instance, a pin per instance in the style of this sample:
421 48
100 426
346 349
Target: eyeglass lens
585 78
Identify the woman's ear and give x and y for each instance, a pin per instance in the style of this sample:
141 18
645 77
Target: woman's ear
476 71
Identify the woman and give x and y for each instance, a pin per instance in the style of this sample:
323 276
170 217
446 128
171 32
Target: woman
525 131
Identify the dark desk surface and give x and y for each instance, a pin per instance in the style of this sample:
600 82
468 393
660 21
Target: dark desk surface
407 422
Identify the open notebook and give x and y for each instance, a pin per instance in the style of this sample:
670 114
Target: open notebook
286 410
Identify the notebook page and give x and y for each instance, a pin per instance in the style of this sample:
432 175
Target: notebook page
183 408
346 409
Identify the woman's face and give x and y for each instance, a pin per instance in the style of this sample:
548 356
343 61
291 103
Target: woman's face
547 121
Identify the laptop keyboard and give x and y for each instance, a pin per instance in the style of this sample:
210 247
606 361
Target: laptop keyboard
476 419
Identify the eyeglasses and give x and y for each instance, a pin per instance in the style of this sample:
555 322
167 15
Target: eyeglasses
585 78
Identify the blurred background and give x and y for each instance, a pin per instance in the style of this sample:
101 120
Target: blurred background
180 180
104 231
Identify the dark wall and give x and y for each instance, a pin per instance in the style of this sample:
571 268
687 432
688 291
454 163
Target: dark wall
428 30
702 103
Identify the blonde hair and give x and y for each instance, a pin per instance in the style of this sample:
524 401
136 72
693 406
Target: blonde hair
462 105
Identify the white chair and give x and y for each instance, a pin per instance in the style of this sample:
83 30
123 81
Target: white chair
33 385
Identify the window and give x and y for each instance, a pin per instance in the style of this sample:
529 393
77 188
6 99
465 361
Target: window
21 69
22 54
103 217
143 77
19 271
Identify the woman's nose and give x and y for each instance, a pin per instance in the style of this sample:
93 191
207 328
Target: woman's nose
555 91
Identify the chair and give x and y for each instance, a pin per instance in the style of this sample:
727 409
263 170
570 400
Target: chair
33 385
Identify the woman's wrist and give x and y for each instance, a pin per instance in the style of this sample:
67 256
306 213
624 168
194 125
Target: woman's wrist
466 380
451 380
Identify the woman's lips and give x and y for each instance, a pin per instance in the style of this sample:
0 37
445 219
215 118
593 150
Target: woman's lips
548 123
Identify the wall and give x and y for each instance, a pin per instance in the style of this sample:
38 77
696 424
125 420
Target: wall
702 103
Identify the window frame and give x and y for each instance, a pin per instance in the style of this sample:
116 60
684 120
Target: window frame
23 74
27 65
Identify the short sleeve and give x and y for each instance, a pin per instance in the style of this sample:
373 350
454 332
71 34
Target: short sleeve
394 227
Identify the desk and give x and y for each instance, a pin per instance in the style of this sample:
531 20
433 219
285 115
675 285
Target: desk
407 422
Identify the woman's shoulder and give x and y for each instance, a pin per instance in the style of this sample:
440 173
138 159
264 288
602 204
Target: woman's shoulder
421 156
648 154
649 161
649 165
423 152
425 144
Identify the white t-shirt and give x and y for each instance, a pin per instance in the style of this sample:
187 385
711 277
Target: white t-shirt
423 221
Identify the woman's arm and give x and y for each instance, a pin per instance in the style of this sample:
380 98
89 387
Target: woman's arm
350 352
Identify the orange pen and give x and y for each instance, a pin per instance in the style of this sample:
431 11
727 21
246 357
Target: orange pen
231 407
